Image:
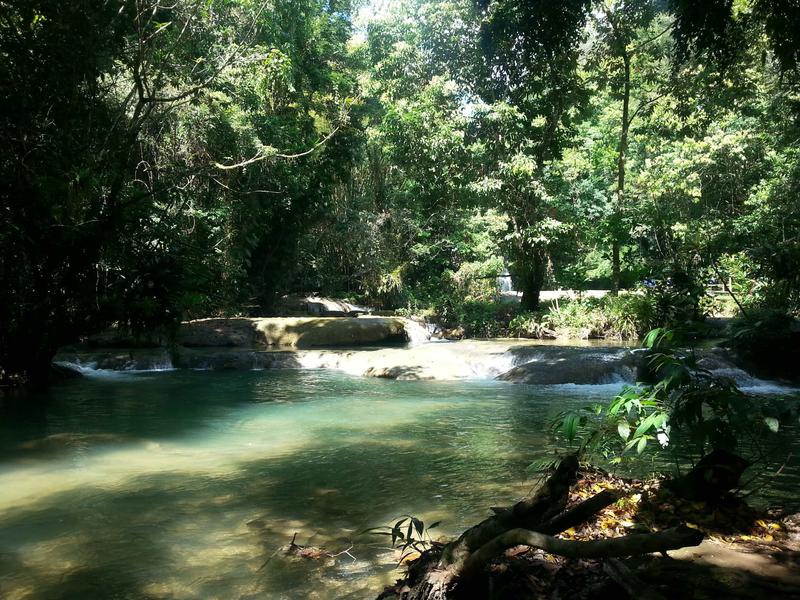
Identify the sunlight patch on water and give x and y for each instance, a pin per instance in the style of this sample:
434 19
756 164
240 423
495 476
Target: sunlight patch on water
259 432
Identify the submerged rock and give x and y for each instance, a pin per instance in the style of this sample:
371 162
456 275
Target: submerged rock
56 444
400 372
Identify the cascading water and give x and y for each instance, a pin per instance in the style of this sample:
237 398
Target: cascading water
504 283
516 361
417 333
131 361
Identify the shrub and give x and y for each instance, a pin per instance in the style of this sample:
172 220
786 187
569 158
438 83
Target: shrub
624 317
709 412
529 325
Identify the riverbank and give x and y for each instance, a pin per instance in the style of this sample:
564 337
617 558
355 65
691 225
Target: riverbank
740 551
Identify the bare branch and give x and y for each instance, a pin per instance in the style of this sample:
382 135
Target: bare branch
650 40
645 103
235 191
260 156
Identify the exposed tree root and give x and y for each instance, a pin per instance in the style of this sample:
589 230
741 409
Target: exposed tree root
580 512
454 571
530 513
636 543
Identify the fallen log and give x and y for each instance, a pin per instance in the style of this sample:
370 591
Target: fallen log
454 571
629 545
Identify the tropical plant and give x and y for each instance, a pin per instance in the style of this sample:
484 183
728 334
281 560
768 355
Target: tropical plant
685 405
409 534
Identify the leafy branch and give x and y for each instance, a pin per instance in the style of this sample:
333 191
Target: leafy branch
709 411
409 534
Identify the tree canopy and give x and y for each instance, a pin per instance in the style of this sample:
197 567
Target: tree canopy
162 161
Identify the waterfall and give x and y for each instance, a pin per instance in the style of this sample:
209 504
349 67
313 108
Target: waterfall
417 333
504 283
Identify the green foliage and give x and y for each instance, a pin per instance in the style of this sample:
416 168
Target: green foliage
188 159
409 534
718 28
118 136
464 174
479 319
624 317
685 405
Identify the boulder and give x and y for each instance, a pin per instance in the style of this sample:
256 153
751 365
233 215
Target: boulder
292 332
401 373
320 306
556 365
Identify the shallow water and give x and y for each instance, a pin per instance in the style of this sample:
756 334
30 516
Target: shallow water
183 484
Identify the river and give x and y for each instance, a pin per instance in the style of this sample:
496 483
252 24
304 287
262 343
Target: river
184 483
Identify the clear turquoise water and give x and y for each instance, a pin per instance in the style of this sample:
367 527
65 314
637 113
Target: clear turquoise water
183 484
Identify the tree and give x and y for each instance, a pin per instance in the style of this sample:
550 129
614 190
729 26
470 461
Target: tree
530 54
618 29
118 121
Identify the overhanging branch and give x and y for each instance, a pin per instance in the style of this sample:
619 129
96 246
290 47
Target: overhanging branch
261 156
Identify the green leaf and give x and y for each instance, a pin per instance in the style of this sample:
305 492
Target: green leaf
624 430
570 426
772 423
595 408
649 421
418 525
615 406
538 466
651 339
376 531
640 446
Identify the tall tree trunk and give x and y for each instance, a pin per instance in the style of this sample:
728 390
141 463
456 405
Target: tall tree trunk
529 275
620 195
